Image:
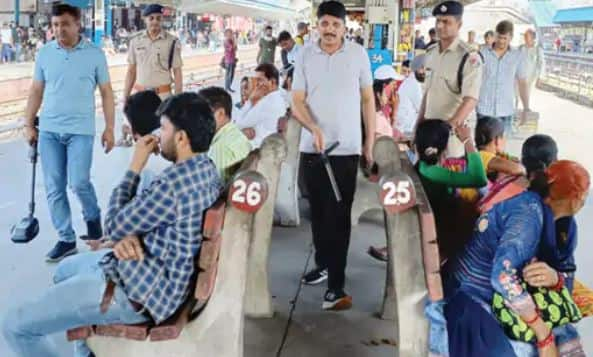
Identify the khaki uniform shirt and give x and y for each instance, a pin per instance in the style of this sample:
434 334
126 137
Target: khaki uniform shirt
443 97
152 58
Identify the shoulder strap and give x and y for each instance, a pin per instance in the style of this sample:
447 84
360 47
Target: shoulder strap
171 53
462 65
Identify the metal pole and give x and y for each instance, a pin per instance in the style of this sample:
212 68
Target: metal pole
17 11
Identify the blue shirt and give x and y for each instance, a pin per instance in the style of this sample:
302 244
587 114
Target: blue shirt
70 77
497 94
168 218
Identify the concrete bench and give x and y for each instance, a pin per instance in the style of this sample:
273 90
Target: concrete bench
210 322
258 300
413 268
286 211
365 197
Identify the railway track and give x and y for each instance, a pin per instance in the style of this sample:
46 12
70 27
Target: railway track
197 72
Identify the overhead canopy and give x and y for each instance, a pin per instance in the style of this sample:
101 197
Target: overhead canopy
543 12
360 4
248 8
574 15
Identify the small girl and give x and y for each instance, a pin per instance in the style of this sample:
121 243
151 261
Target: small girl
381 89
490 141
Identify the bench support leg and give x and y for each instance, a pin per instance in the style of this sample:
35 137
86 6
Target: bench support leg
366 198
258 299
286 210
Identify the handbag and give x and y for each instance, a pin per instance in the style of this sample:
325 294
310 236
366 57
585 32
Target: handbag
556 308
583 297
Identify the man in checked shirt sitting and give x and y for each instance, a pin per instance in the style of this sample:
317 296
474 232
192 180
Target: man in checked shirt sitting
156 235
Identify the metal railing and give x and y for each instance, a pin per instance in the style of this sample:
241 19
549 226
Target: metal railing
571 76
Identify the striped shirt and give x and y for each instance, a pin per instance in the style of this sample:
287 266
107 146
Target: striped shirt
497 94
168 218
229 146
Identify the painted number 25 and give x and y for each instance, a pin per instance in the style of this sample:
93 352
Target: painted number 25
397 194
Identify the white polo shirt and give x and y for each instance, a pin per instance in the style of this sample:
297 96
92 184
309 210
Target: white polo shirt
333 84
263 116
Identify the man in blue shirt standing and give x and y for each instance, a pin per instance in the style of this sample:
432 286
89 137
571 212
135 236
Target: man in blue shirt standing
67 72
503 65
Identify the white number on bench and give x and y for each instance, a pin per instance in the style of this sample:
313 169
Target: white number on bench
249 191
397 194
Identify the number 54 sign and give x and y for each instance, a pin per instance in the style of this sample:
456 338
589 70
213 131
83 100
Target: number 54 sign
397 193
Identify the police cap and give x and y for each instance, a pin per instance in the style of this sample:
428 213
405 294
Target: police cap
452 8
152 9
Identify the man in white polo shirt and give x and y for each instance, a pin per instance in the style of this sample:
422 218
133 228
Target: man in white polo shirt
332 78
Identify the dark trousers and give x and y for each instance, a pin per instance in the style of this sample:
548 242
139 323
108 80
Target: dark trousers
330 220
229 75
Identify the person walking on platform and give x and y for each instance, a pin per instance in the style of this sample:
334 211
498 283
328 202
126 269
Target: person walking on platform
453 75
534 57
302 37
488 39
332 79
432 35
267 47
503 65
69 68
152 56
230 59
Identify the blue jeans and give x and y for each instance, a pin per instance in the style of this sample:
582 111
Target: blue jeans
229 75
73 301
67 158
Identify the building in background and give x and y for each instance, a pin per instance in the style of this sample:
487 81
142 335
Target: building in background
576 29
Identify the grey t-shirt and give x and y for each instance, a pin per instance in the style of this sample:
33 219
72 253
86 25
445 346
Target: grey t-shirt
333 84
268 50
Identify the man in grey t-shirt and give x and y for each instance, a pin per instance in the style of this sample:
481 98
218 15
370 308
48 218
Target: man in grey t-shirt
331 79
267 47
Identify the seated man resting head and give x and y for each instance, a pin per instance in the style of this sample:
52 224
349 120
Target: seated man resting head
157 234
229 146
259 116
140 110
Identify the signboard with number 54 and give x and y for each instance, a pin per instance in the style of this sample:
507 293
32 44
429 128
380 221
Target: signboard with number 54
397 193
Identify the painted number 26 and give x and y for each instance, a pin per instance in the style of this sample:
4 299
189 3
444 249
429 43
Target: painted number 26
397 194
247 193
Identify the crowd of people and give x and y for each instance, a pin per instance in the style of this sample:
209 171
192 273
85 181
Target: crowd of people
505 226
20 43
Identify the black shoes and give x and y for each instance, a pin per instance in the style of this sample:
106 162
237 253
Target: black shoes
315 276
336 301
60 251
94 230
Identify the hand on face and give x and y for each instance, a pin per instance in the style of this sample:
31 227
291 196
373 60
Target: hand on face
145 146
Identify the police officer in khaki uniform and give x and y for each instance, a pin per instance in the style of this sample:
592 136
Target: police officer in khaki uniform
153 54
445 97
